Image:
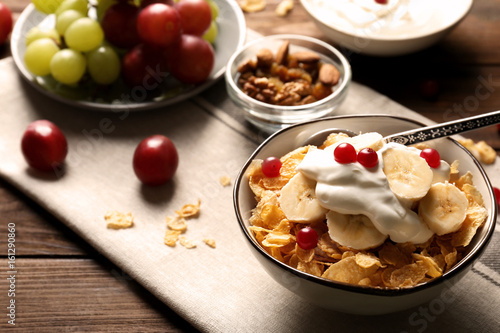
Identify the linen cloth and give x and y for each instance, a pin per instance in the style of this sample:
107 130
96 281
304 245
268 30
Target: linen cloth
217 290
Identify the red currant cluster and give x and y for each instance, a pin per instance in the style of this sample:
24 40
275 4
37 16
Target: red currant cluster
345 153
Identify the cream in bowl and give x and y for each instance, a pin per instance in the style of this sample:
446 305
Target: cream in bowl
388 226
386 27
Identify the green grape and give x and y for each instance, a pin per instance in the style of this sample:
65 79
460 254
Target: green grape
46 6
211 33
102 7
65 19
84 35
103 65
214 8
39 54
78 5
68 66
39 32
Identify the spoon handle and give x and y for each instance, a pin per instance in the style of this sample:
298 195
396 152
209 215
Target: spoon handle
444 129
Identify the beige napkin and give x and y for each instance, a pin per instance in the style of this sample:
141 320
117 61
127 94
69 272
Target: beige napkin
216 290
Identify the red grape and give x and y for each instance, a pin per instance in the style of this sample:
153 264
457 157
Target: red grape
140 62
431 156
155 160
271 167
196 16
44 146
368 157
496 191
5 22
307 238
192 60
119 24
159 24
145 3
345 153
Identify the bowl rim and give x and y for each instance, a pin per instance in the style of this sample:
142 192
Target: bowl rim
464 263
346 77
416 36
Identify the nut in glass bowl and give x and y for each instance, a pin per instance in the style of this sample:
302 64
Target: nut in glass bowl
281 80
349 292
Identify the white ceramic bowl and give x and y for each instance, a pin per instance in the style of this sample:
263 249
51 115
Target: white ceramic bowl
269 117
349 298
375 41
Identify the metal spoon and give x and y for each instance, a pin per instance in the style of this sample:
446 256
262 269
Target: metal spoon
421 134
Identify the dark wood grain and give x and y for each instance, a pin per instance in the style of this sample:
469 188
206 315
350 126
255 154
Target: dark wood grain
64 285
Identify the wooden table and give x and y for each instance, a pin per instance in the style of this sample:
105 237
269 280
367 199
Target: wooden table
66 285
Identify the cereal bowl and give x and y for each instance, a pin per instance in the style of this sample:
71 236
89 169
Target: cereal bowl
271 117
351 298
377 36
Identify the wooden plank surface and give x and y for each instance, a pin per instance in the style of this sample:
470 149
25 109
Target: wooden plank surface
66 286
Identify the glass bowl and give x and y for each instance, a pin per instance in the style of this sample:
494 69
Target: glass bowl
269 117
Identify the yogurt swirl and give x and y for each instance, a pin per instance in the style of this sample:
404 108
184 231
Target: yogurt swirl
354 189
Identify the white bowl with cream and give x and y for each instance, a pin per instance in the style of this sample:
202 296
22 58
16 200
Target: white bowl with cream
350 298
396 28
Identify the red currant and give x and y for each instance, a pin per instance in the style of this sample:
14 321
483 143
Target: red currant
382 2
271 167
431 156
307 238
497 194
368 157
345 153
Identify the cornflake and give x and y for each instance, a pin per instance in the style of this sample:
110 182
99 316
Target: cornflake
189 210
251 6
284 7
117 220
188 244
176 223
225 181
481 150
171 237
210 242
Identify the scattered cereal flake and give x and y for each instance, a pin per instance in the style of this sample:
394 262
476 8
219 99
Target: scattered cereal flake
481 150
210 242
188 244
189 210
176 223
284 7
251 6
171 237
225 181
486 152
117 220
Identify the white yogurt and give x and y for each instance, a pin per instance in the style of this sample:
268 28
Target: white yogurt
354 189
368 18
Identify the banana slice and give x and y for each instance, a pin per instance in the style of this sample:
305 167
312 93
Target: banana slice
366 140
409 175
443 208
354 231
298 200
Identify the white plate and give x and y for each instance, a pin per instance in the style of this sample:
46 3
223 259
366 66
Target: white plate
232 32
